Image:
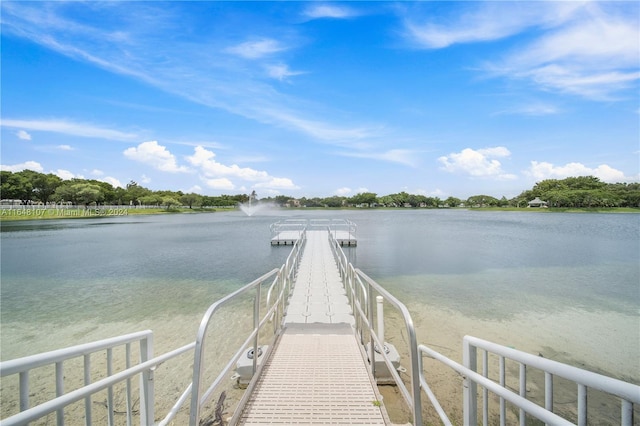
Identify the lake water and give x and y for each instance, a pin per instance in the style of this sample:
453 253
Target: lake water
565 285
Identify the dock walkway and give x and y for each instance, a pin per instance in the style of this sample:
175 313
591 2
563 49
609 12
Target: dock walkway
317 374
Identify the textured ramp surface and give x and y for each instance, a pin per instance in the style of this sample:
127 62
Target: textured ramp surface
314 379
318 294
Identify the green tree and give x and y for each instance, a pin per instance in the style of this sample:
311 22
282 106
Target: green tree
134 192
453 201
150 200
78 191
334 201
482 201
44 186
88 193
386 200
364 198
17 186
191 199
170 202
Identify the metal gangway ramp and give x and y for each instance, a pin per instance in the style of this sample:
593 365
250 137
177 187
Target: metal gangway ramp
317 373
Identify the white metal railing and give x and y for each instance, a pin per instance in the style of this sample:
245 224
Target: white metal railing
282 285
629 394
145 369
285 230
360 292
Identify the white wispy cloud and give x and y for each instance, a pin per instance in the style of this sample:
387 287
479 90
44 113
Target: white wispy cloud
595 57
64 147
399 156
219 176
544 170
257 48
343 192
23 135
485 21
532 109
27 165
349 136
155 155
281 71
589 49
140 51
70 128
66 174
319 11
219 183
113 181
481 163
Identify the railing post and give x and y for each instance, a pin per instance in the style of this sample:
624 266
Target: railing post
416 388
256 326
503 407
548 391
626 418
87 381
146 383
110 407
582 405
469 387
24 390
372 350
380 315
523 392
60 391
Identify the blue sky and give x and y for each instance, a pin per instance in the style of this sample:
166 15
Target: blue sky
316 99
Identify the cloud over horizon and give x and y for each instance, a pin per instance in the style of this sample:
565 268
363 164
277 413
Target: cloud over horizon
481 163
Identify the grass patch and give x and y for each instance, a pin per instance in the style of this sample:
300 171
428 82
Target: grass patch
559 209
7 215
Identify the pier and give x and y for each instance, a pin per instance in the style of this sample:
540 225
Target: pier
316 320
317 374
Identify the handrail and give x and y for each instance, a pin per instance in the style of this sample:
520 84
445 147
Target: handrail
597 381
413 399
363 312
627 392
282 280
147 365
27 363
530 407
200 340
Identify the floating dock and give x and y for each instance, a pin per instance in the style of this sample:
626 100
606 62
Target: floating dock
287 232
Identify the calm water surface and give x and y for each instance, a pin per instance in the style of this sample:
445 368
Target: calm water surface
577 274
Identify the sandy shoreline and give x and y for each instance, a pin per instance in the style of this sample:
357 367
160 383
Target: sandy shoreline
555 336
563 336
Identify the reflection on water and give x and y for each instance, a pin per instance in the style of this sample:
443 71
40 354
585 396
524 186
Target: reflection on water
487 267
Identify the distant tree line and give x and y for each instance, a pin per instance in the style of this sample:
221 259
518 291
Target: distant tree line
583 191
33 187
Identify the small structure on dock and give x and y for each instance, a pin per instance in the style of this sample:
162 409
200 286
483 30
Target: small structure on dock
287 232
